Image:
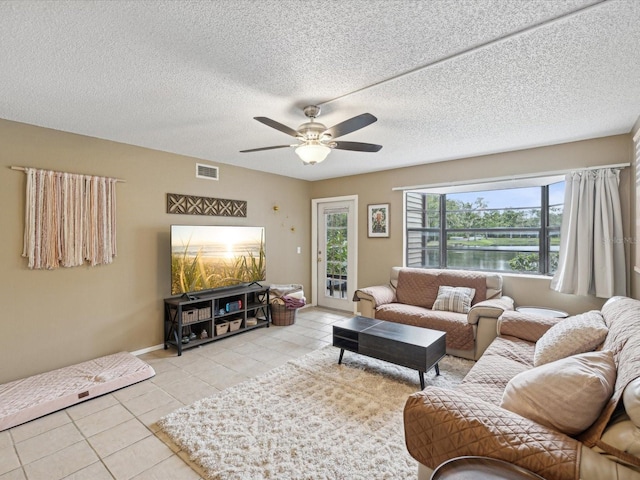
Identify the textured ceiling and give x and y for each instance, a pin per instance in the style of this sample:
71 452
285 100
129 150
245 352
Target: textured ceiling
446 78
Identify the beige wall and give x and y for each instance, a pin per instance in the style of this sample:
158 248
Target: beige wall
56 318
377 255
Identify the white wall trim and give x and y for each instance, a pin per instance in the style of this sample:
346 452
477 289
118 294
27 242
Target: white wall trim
404 228
148 349
635 130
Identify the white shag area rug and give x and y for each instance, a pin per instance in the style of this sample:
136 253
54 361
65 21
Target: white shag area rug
308 419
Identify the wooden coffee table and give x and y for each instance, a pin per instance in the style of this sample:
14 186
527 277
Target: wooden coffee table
413 347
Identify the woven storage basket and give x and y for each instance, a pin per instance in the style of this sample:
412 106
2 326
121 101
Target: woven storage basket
189 316
282 316
222 328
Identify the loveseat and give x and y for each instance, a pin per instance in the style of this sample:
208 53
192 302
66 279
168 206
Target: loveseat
420 297
541 398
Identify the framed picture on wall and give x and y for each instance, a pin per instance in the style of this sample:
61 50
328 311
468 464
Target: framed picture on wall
378 220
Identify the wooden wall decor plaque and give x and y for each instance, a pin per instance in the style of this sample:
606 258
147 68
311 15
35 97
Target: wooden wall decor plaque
193 205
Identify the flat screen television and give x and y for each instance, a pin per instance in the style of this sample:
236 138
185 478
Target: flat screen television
206 257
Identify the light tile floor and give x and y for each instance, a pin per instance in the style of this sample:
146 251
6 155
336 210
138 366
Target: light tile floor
116 436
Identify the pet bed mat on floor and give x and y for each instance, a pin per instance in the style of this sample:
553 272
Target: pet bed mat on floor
32 397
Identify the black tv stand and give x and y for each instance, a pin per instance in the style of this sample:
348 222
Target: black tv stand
207 317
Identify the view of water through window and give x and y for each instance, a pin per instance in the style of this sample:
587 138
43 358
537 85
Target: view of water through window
513 230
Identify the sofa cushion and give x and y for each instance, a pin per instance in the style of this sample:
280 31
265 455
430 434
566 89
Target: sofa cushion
459 332
573 335
524 325
419 286
567 394
621 316
631 400
441 424
454 299
622 431
507 356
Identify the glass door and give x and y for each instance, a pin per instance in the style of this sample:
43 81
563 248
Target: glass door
335 258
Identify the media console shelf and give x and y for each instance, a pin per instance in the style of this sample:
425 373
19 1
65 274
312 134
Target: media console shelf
209 316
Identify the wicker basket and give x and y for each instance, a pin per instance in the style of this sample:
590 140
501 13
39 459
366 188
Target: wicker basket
222 328
189 316
282 316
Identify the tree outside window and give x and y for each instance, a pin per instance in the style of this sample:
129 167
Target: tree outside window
511 230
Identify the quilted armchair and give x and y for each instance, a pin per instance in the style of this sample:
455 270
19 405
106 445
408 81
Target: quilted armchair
480 416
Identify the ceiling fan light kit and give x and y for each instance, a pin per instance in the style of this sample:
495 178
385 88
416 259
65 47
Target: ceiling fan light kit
318 140
311 154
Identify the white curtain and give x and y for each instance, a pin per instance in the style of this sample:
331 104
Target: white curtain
69 219
591 240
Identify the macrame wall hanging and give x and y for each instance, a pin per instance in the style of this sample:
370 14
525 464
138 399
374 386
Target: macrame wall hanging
193 205
70 219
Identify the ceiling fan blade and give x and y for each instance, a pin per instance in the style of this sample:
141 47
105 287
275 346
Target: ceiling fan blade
264 148
277 126
351 125
357 146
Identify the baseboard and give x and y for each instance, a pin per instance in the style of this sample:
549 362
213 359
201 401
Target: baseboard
148 349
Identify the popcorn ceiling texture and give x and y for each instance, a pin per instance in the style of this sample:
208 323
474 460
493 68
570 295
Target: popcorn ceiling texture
187 77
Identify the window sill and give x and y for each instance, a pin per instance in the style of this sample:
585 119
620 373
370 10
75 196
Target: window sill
526 275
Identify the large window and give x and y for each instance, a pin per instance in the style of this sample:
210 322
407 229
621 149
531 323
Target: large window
511 230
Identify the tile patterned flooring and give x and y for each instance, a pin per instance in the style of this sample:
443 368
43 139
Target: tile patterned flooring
116 436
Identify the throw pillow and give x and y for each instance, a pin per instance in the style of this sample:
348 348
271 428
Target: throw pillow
454 299
567 395
573 335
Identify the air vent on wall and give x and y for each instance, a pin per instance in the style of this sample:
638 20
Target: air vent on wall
206 171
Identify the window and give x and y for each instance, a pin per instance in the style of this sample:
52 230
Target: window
337 246
510 230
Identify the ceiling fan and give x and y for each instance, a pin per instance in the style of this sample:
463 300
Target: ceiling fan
316 140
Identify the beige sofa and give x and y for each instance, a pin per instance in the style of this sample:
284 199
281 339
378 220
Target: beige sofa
410 296
473 418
